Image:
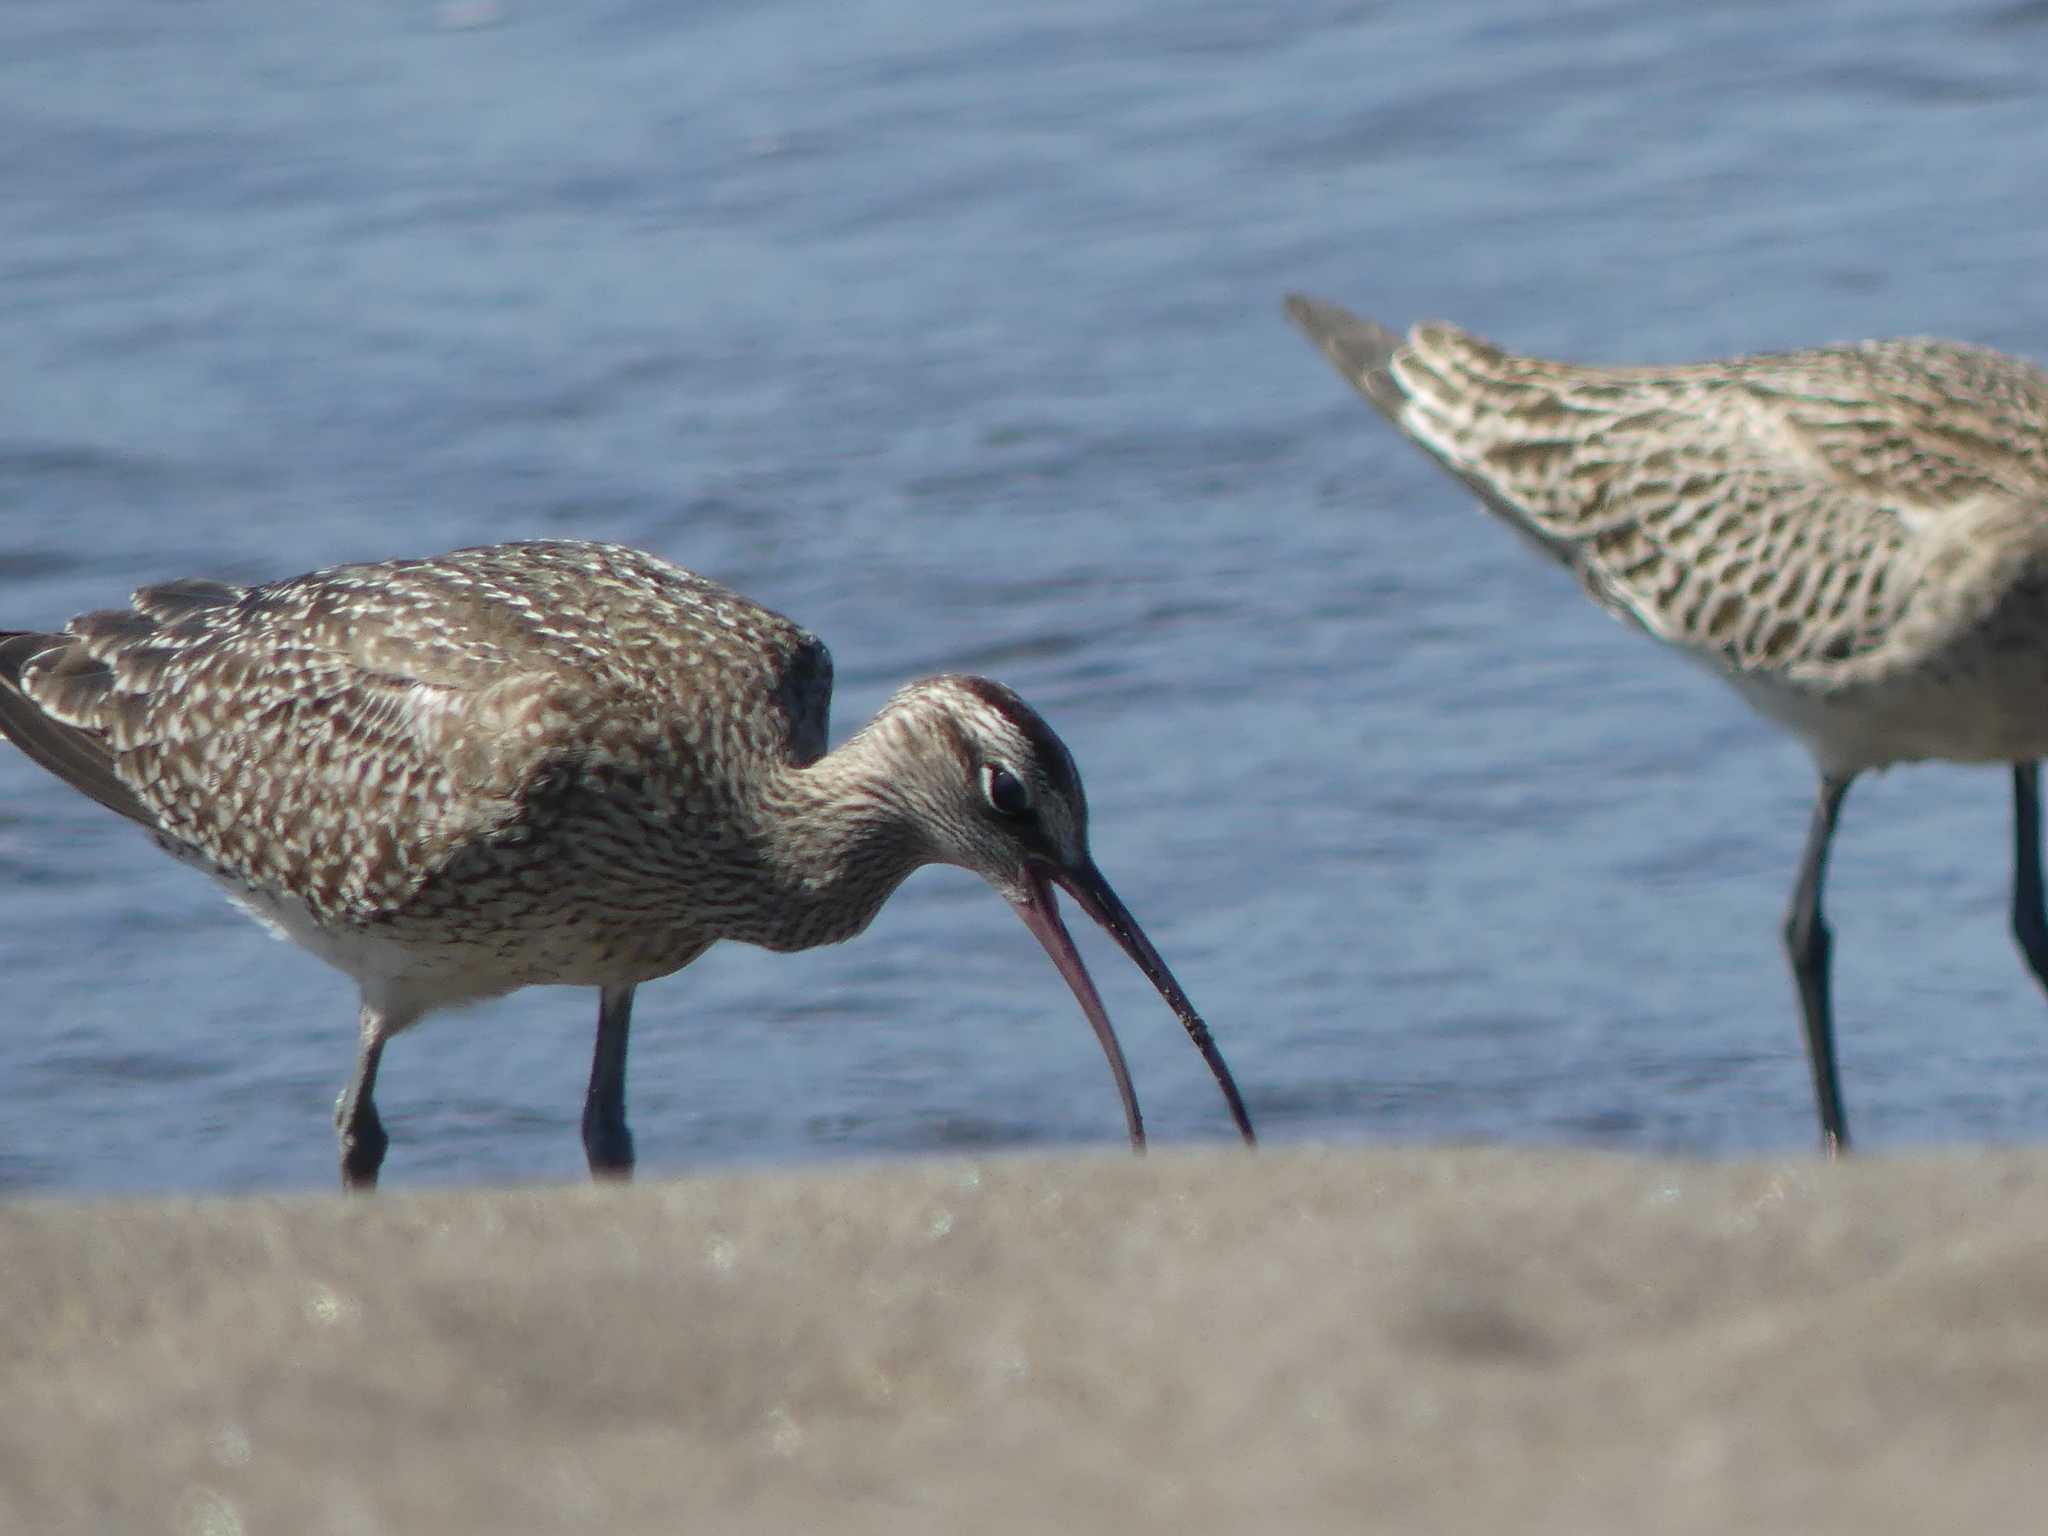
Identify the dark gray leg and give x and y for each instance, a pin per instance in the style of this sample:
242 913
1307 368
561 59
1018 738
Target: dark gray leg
2029 920
606 1141
355 1113
1808 943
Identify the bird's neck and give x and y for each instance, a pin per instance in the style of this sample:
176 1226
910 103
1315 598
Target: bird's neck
838 838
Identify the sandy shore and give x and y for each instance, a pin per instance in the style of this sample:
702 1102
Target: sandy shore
1403 1340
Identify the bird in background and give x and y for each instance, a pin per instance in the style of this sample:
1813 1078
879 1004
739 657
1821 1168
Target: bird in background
557 762
1855 538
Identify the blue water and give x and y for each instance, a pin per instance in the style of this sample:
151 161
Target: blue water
954 331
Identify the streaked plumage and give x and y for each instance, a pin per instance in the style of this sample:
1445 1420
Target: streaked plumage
553 762
1854 537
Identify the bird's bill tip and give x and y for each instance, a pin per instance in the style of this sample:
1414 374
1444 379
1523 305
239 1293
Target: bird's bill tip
1087 886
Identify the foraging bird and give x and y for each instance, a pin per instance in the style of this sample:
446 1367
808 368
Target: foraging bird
553 762
1854 537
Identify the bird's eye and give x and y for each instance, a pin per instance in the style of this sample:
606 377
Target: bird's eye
1005 791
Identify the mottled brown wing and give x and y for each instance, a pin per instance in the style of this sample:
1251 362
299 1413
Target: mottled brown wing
1757 510
56 689
339 735
606 620
235 743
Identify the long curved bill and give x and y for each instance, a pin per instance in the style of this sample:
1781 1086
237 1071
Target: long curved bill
1092 892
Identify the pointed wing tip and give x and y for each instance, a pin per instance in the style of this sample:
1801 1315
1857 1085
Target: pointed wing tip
1319 319
1362 350
80 757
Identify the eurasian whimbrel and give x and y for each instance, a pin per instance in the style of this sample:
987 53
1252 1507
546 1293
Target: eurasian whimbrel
1854 537
553 762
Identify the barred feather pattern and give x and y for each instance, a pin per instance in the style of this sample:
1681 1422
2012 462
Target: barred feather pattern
540 762
1855 536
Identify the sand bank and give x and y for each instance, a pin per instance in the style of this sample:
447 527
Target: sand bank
1328 1340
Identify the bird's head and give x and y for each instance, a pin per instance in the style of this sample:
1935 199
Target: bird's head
992 789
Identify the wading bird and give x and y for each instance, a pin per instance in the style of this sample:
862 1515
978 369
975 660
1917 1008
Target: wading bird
548 763
1855 538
